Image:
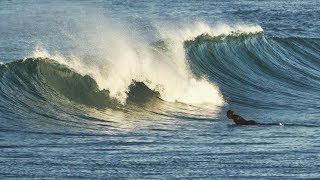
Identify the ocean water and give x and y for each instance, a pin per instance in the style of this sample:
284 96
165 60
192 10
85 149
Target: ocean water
96 89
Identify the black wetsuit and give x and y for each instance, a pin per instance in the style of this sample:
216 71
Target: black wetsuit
241 121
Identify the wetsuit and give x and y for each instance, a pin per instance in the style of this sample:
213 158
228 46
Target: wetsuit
241 121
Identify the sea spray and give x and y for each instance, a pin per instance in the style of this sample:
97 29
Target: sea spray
116 59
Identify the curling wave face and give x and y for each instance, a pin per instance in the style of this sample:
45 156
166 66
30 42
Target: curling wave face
258 71
46 79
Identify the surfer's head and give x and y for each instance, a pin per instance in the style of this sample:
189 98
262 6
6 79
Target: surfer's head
230 114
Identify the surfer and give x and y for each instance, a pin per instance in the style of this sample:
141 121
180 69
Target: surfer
241 121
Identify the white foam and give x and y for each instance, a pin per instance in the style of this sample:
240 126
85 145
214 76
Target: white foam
191 31
118 57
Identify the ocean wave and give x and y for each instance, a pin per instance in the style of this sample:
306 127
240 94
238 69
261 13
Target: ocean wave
196 64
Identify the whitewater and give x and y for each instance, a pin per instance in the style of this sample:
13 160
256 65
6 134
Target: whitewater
123 90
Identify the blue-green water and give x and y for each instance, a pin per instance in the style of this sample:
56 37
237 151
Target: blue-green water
139 90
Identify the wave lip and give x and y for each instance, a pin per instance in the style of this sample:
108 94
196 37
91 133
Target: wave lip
187 33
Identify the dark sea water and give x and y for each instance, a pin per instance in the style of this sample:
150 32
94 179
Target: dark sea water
140 89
